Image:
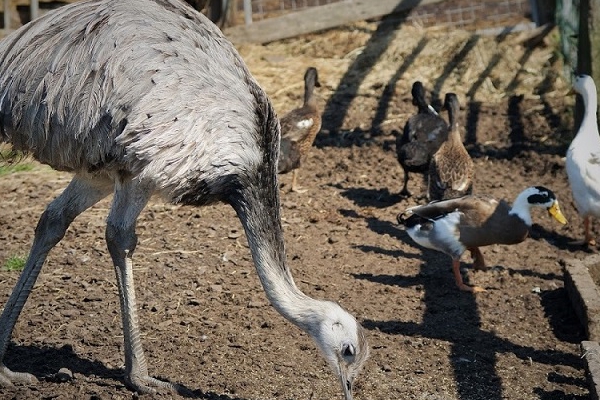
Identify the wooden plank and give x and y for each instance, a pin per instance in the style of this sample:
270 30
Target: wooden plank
318 18
591 354
584 294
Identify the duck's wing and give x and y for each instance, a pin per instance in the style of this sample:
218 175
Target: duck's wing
451 173
289 156
431 129
583 169
592 171
413 155
474 209
298 124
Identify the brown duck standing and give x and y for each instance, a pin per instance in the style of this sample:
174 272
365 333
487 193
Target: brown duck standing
469 222
422 136
451 170
299 128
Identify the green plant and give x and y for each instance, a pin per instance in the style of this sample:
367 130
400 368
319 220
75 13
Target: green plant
9 169
15 263
13 161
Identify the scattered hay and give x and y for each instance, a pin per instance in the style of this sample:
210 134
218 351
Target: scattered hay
363 60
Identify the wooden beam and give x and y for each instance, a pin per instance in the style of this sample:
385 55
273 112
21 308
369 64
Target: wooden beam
318 18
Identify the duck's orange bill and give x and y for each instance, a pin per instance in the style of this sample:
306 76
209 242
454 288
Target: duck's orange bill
555 212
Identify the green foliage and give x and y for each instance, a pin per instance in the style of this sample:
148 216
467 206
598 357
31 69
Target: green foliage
13 161
9 169
15 263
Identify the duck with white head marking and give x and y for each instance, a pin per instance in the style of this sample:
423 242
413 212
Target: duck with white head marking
469 222
583 159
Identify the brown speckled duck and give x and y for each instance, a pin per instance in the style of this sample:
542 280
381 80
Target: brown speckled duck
469 222
299 128
422 136
451 170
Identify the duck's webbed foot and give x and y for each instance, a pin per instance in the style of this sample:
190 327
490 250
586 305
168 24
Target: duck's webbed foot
459 281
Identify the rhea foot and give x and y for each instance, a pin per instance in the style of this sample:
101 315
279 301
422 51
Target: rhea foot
149 385
298 189
10 378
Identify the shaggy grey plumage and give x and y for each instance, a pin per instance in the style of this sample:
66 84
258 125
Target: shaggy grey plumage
143 96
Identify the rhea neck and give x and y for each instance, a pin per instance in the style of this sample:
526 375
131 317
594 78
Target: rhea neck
257 206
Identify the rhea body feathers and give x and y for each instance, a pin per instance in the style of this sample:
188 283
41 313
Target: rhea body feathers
146 96
97 96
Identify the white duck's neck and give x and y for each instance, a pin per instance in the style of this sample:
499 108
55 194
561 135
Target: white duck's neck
589 124
522 208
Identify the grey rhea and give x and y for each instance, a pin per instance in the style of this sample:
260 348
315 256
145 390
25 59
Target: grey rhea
146 96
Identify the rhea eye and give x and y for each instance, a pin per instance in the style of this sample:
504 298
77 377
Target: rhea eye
348 350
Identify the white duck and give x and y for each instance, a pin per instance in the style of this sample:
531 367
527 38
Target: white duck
583 159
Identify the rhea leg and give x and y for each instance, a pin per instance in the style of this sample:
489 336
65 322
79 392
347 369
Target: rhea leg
129 200
79 195
459 281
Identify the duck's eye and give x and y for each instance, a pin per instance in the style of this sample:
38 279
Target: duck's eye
348 350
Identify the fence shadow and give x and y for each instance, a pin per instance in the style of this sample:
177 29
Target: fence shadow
338 104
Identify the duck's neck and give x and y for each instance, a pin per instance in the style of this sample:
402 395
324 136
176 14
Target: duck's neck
309 89
522 209
590 103
454 135
257 206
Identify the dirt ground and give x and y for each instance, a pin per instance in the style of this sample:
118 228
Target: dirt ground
206 322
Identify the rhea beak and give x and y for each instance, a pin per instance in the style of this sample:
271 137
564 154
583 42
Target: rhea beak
346 385
555 212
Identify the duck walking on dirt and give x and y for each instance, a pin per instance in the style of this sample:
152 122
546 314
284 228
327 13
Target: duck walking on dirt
451 170
469 222
422 136
583 159
299 128
147 96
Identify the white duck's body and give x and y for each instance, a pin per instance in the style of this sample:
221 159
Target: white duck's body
583 157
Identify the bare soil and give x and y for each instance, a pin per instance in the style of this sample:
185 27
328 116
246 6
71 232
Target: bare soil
206 322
